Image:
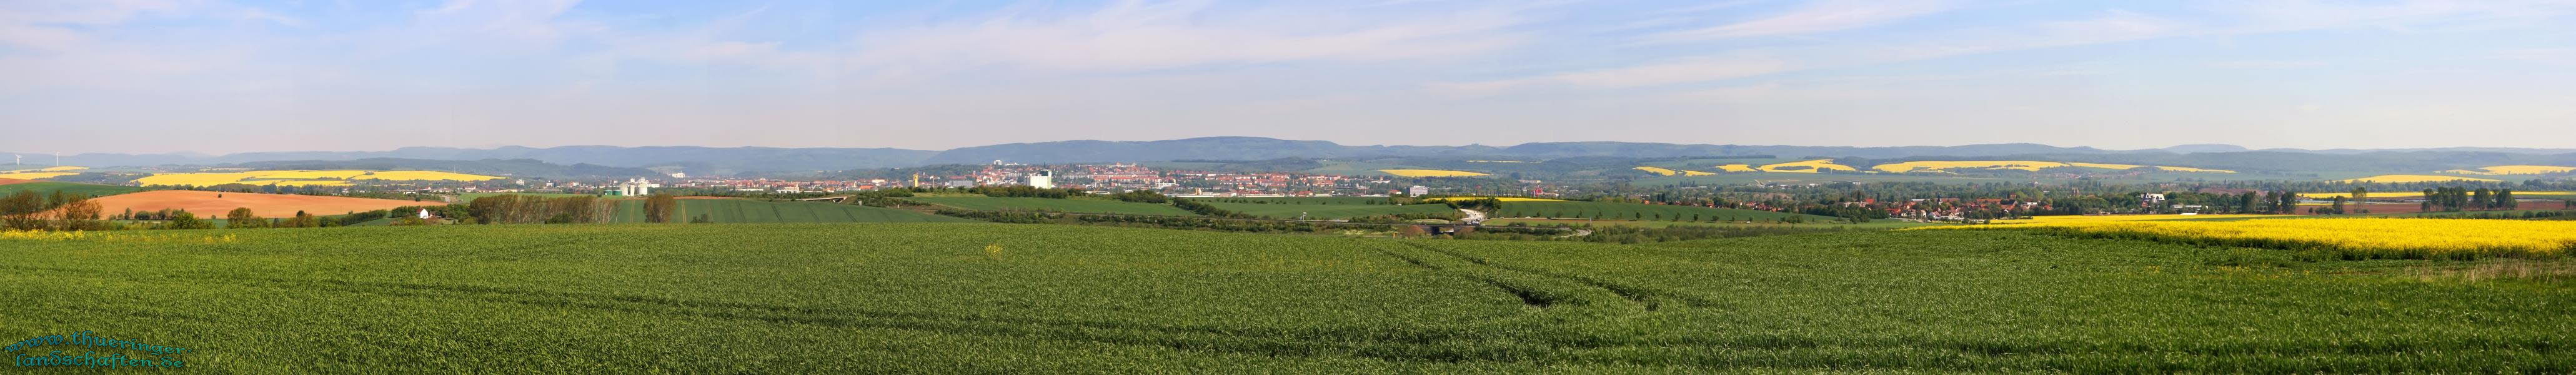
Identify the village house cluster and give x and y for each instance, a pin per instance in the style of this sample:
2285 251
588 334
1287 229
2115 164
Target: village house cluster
1102 178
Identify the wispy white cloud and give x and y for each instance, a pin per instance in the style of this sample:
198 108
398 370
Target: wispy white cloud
2111 27
525 24
1138 35
1131 69
2540 55
1658 73
1812 18
2264 64
55 25
2289 15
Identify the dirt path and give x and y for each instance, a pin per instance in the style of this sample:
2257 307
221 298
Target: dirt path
1473 217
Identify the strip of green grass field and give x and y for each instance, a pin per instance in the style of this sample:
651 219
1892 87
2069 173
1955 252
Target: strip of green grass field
49 187
1643 212
1001 298
468 197
757 211
1879 224
1081 205
1323 207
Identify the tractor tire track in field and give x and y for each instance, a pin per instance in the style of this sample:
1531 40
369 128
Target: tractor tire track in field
1527 296
1650 298
1538 289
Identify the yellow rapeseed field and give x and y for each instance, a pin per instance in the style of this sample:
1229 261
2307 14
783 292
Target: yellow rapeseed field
2403 178
2370 237
39 235
197 179
1912 166
2102 218
1430 173
2402 194
66 168
1669 172
421 176
1499 161
1812 166
2114 166
307 183
35 175
2186 169
2513 169
300 178
1737 168
1935 166
1504 199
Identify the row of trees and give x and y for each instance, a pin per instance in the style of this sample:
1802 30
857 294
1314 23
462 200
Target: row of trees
661 208
1142 196
528 209
1025 191
243 218
1206 209
2458 198
27 210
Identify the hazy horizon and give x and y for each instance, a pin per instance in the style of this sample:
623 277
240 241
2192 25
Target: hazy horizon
43 156
223 77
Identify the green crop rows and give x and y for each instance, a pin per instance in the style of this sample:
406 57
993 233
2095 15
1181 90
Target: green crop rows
49 187
1055 205
1324 207
977 297
1638 211
755 211
469 197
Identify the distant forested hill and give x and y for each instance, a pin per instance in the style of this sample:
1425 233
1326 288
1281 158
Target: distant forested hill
493 167
700 160
741 160
1252 148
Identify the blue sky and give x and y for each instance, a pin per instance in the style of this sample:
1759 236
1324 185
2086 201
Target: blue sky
220 76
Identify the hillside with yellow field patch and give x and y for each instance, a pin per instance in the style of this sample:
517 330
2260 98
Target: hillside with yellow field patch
1737 168
2364 237
2034 166
2099 218
302 178
34 175
1430 173
1810 166
2405 178
1674 172
2376 195
2513 169
46 171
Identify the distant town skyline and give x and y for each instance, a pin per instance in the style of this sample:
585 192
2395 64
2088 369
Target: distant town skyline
220 77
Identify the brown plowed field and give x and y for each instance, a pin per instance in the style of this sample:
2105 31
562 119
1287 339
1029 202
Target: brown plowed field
205 203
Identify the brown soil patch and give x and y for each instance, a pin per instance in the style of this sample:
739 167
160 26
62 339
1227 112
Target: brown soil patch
206 205
6 181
